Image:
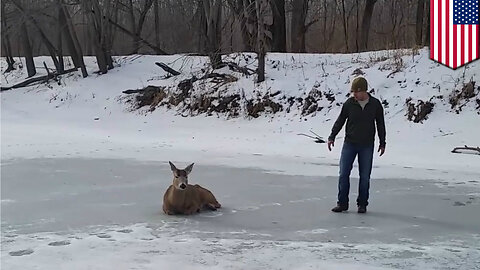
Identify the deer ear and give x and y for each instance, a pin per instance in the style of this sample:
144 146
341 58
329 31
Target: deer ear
174 169
189 168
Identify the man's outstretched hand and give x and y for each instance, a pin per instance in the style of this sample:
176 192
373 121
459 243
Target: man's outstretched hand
330 145
381 149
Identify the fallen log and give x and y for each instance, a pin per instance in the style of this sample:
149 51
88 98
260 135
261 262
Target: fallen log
41 79
148 88
167 68
317 138
244 70
456 149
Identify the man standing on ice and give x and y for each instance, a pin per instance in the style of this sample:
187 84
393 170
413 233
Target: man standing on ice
361 112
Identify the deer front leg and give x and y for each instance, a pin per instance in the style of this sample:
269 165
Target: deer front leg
167 211
192 210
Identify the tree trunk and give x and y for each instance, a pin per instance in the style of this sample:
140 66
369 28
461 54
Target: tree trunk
261 39
51 49
94 23
141 22
213 15
157 24
98 22
245 11
324 32
419 21
61 25
426 40
202 28
366 21
27 47
261 67
6 41
8 54
299 15
232 26
72 41
357 47
100 35
331 33
278 30
345 25
108 32
136 28
133 27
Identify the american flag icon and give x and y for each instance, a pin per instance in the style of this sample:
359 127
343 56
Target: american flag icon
454 32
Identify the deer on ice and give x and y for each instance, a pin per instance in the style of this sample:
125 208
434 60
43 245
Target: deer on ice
183 198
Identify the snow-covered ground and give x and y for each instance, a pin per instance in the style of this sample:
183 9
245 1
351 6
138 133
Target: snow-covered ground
83 176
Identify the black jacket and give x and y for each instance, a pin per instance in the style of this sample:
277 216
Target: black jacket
361 123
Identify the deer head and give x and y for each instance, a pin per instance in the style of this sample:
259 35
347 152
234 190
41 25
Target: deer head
180 177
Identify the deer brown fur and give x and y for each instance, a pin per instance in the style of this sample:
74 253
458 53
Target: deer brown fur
183 198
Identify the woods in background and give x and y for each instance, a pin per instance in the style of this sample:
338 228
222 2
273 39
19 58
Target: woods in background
103 28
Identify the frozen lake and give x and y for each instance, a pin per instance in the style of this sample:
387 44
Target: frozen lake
68 197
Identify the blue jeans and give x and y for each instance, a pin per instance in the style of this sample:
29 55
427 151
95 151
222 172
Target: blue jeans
365 160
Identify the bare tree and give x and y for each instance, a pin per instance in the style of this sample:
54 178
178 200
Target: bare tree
98 31
213 17
48 44
297 26
6 40
245 11
397 17
137 27
206 27
261 6
27 50
157 23
60 25
278 27
324 24
419 21
366 21
427 25
65 21
345 24
357 47
331 26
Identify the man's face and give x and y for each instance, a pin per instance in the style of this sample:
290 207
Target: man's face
360 95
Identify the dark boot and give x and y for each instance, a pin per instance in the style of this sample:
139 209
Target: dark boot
362 209
340 208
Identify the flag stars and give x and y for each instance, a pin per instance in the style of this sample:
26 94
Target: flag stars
465 12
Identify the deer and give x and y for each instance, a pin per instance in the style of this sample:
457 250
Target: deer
183 198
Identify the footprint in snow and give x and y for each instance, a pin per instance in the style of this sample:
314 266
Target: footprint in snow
21 252
59 243
125 231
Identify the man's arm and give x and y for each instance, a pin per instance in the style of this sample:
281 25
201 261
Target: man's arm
338 124
380 120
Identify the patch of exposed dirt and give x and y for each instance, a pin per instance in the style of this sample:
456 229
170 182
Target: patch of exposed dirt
148 96
418 111
311 102
460 98
255 107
